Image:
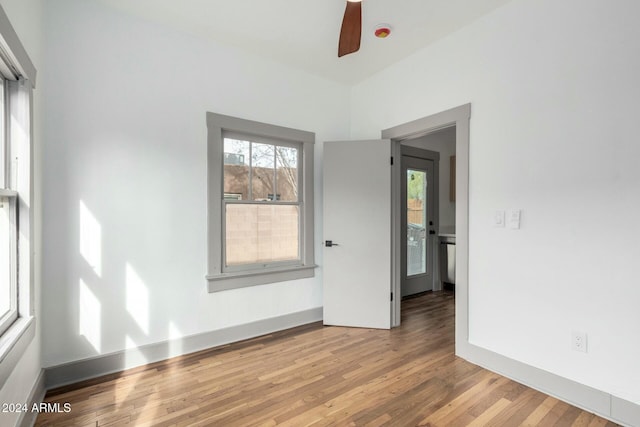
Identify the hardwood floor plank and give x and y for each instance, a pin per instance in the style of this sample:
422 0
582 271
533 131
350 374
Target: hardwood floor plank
484 419
319 376
444 415
553 416
540 412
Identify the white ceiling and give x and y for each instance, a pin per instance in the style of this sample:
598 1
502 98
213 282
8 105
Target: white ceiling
304 33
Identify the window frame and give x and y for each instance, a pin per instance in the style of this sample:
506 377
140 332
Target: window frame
19 76
219 276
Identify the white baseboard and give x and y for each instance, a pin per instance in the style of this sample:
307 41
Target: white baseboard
80 370
595 401
627 412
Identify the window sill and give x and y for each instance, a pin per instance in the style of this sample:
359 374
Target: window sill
13 343
226 281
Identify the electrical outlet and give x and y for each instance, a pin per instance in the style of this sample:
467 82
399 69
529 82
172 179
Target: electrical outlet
579 341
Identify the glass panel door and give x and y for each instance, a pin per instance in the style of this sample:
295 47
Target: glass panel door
417 222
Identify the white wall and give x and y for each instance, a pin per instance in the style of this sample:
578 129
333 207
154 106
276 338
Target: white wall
26 19
554 96
125 177
443 142
553 91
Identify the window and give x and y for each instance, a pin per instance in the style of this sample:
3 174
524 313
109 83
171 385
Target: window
17 77
8 224
260 197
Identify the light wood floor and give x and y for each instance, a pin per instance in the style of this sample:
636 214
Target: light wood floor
314 375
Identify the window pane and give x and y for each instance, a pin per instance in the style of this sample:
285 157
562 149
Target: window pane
287 173
263 171
2 134
416 222
261 233
5 257
236 169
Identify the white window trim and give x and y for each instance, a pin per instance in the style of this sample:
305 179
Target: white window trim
219 279
20 73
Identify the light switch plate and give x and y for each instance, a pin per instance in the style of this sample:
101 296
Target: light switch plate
498 219
513 218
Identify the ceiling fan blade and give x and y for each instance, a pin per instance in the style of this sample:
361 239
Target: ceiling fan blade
351 29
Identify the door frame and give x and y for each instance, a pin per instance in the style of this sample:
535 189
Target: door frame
434 157
458 117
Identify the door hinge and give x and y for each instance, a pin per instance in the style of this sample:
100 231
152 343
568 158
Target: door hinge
391 296
391 160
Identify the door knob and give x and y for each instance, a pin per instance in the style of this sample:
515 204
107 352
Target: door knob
329 243
432 232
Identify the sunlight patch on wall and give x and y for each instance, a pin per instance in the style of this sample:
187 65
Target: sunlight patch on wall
90 316
137 299
175 340
90 239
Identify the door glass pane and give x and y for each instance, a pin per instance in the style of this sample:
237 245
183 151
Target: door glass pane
261 233
416 222
236 169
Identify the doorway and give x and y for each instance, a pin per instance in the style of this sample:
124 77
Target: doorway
457 118
362 250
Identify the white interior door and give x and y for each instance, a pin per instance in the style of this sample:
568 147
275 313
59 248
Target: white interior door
357 233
